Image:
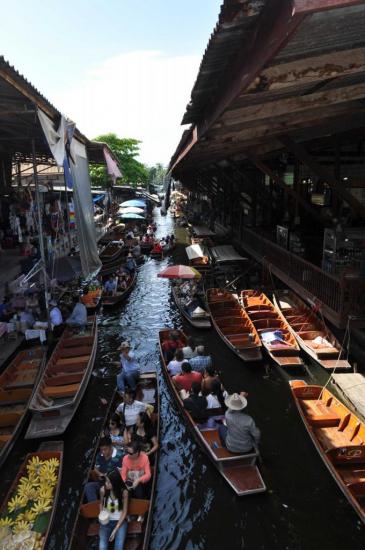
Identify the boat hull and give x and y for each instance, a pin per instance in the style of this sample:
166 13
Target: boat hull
204 323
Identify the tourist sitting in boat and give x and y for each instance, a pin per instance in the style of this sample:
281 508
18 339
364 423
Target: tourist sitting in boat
195 403
239 434
27 319
55 317
216 396
201 361
111 285
136 471
150 231
170 345
78 317
145 432
174 366
172 239
130 234
157 249
184 380
115 431
136 250
108 458
130 370
209 377
123 281
147 239
190 350
129 410
130 264
114 505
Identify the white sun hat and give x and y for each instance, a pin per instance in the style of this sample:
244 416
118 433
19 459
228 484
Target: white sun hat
236 402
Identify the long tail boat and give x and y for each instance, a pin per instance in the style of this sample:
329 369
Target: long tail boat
273 329
240 471
87 526
202 321
311 332
339 436
17 385
119 297
63 384
112 252
233 325
44 465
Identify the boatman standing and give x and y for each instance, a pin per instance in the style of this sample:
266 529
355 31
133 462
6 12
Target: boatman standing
78 317
130 370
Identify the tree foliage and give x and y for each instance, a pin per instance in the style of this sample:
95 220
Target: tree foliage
125 150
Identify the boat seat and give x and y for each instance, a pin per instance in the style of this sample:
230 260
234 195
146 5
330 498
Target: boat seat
319 414
75 359
60 391
345 435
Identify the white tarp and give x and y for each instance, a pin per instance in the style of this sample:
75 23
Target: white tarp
194 251
56 139
226 253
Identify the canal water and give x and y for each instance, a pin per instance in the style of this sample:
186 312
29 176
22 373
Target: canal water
303 508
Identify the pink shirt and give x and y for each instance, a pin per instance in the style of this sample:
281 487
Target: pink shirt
184 381
138 468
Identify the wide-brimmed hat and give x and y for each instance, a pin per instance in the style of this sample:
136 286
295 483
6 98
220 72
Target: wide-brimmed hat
236 402
125 345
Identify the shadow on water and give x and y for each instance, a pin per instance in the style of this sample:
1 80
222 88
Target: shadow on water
194 509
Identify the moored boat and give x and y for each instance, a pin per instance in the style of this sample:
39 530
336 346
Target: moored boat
273 329
119 297
339 437
311 332
240 471
28 509
233 325
138 535
17 385
197 319
63 383
112 252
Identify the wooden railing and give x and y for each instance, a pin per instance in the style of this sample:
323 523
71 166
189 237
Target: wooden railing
337 297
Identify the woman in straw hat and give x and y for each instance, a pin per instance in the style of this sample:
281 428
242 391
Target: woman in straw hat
240 433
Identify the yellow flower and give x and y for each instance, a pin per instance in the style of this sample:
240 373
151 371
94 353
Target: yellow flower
21 526
45 492
48 478
28 515
54 462
27 491
42 505
6 522
16 502
34 465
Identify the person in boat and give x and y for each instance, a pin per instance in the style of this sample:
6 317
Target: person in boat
130 370
6 311
163 243
27 319
210 375
114 497
201 361
190 350
55 317
157 249
196 404
123 281
130 234
172 240
130 264
171 344
108 458
239 433
129 410
216 396
136 250
78 317
174 367
144 431
115 431
111 285
136 470
185 380
150 231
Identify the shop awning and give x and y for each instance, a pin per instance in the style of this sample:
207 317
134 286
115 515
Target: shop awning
226 254
202 231
195 251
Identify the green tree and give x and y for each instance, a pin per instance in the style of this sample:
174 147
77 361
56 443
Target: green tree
125 150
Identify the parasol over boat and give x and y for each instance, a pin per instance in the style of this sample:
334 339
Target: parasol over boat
179 272
131 210
130 216
134 202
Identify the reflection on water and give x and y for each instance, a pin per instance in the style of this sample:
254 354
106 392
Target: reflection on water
194 508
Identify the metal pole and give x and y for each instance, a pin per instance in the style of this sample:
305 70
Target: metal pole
40 230
67 213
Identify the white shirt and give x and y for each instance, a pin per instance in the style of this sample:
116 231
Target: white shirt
131 411
55 317
189 353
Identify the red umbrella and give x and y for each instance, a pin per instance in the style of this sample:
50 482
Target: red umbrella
179 272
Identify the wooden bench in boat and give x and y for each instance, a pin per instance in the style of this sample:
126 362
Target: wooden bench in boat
56 392
136 507
319 413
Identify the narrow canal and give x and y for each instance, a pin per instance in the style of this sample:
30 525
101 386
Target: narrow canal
302 510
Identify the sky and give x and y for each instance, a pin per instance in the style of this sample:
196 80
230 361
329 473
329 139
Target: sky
122 66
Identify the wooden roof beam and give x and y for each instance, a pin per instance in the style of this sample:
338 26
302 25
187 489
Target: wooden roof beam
302 154
311 6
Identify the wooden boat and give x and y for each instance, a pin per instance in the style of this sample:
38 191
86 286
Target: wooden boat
41 528
146 247
202 322
113 267
311 332
339 437
138 535
17 385
239 470
119 296
283 347
233 325
63 384
112 252
92 300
